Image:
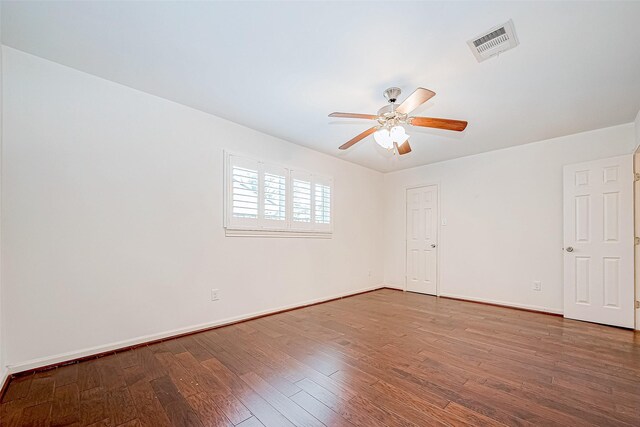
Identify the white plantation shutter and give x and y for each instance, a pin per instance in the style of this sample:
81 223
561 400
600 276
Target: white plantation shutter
263 197
274 196
322 200
245 190
302 200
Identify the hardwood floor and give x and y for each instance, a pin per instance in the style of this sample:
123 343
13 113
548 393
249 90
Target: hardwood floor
384 358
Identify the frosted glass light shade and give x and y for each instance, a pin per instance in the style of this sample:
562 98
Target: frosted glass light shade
398 135
383 138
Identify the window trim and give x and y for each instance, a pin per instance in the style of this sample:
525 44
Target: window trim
268 228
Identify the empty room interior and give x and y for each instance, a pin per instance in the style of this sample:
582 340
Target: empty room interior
319 213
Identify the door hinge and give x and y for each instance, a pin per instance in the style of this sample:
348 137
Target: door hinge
637 240
637 304
636 176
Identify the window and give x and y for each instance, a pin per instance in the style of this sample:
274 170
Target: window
268 199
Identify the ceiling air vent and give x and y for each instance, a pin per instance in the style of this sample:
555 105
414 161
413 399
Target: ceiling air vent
495 41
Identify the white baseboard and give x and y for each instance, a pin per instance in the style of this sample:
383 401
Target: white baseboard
72 355
504 303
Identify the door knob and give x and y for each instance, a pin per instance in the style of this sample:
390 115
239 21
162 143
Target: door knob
569 249
433 246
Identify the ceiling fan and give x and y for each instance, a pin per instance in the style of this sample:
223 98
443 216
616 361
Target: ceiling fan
389 132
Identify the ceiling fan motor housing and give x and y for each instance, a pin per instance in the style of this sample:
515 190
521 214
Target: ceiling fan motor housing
388 116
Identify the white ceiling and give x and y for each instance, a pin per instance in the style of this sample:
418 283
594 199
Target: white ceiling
281 67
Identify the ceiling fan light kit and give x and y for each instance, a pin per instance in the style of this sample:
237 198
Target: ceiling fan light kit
389 133
387 137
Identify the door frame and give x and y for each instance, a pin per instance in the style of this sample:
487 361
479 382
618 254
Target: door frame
438 232
636 232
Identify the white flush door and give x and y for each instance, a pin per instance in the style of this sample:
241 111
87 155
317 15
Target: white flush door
422 239
599 242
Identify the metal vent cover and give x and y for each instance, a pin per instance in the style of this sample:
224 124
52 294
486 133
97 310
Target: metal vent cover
497 40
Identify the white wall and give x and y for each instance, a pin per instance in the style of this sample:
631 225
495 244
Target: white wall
504 217
112 218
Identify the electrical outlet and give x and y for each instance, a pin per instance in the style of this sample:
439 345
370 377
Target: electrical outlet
537 286
215 294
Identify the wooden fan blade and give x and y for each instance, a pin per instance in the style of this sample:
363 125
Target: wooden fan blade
431 122
354 116
404 148
416 99
355 139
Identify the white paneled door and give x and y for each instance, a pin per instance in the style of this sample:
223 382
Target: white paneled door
599 242
422 239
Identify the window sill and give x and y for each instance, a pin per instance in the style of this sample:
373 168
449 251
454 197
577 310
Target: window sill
239 232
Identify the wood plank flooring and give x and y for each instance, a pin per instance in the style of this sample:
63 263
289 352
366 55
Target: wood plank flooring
384 358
